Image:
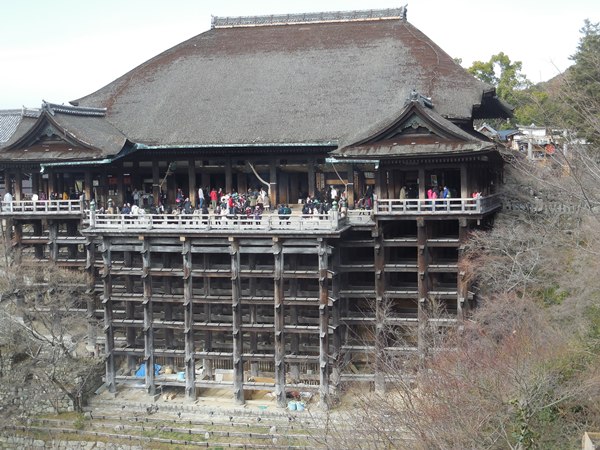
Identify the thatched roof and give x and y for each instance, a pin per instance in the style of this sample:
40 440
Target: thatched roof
290 83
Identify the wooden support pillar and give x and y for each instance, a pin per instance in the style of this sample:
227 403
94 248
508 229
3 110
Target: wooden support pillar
88 188
462 285
18 185
188 322
148 329
273 183
90 269
380 188
464 181
52 240
120 198
155 182
103 188
422 184
242 183
228 176
279 319
72 231
168 309
380 311
61 184
423 285
18 242
336 318
293 312
109 345
207 363
193 195
238 362
35 183
136 178
129 313
253 315
171 189
350 186
311 176
323 325
51 183
7 229
38 231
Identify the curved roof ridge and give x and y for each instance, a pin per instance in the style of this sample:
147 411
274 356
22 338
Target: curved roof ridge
315 17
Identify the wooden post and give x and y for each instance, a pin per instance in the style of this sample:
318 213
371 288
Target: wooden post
350 186
72 231
279 320
192 182
423 285
121 196
103 188
129 313
253 316
238 363
109 345
148 318
422 184
52 240
464 181
462 286
37 231
336 318
35 183
208 335
293 314
88 189
379 260
91 295
18 243
323 326
51 183
311 176
228 176
18 185
168 309
188 318
155 182
273 183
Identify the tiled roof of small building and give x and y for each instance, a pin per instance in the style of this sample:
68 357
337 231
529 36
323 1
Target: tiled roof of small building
304 82
10 120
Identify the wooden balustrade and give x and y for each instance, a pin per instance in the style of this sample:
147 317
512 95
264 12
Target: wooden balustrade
213 222
440 206
42 207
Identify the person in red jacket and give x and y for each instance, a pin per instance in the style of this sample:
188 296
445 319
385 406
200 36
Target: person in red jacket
213 199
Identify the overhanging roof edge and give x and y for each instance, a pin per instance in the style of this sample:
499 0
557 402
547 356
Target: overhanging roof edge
139 146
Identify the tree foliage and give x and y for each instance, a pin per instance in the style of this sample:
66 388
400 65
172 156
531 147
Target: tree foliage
503 74
581 90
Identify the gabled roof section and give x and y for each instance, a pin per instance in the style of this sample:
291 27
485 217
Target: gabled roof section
10 120
64 132
416 130
294 82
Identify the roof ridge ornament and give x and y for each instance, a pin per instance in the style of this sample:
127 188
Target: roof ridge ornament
316 17
416 97
53 108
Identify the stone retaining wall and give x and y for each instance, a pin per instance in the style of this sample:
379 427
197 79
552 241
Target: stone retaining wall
26 443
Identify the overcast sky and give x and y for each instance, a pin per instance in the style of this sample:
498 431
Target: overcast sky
61 50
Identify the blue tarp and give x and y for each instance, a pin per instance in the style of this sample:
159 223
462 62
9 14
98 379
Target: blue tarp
141 372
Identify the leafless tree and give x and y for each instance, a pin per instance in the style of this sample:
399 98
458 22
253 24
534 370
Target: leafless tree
43 329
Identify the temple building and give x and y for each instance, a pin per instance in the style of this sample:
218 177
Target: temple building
357 114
